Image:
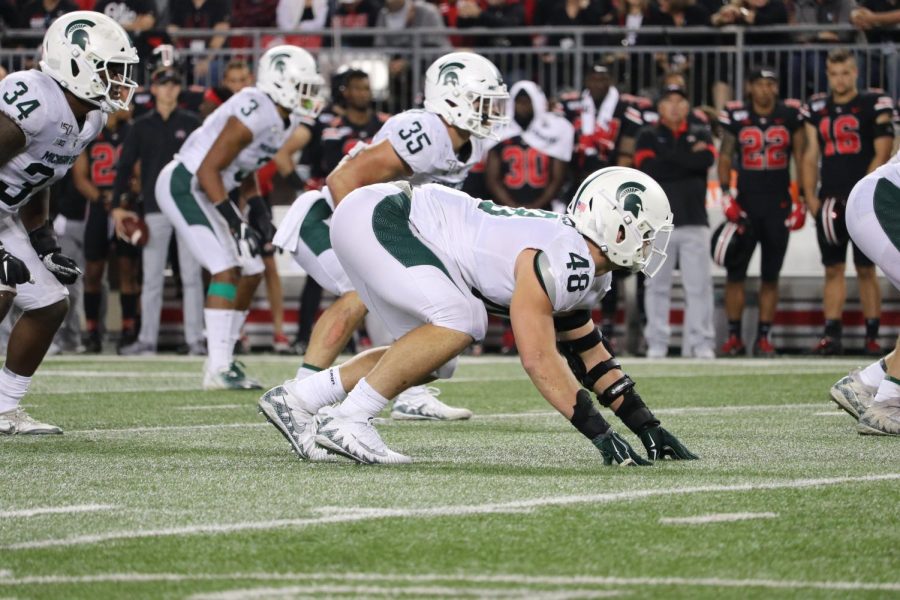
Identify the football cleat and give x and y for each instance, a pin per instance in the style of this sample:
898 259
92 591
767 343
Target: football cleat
93 342
231 377
852 395
137 348
281 344
357 440
881 418
295 424
733 346
661 445
420 403
19 422
873 348
613 448
763 348
828 346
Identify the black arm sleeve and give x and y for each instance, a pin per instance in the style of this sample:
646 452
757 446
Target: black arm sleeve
125 167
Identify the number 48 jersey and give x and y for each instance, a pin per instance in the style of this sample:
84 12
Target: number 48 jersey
763 145
53 140
421 139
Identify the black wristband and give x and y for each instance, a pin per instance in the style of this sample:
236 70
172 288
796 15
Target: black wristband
259 208
43 240
231 213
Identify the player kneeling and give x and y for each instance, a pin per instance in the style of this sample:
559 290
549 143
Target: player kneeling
872 394
431 261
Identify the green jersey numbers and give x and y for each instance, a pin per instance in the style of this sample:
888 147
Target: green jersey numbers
577 282
414 144
27 188
23 105
249 108
508 211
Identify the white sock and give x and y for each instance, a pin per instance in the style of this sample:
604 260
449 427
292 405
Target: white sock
873 374
888 391
238 317
362 403
303 372
12 389
218 337
317 390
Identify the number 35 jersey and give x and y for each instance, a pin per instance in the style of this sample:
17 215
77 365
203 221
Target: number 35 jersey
258 113
53 140
421 139
485 239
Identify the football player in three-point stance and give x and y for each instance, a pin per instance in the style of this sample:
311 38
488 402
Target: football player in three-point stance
434 288
193 192
47 118
465 102
872 394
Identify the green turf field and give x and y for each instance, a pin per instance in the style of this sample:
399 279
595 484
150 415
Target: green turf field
158 489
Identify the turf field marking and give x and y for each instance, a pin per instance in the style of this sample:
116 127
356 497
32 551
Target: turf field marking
515 579
440 591
668 411
335 515
716 518
56 510
116 374
164 428
214 406
831 413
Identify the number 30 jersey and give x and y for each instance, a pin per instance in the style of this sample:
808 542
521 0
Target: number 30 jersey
485 239
421 139
256 111
35 102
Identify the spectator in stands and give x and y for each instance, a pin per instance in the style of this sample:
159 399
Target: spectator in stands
700 68
301 14
634 71
37 15
879 19
201 14
251 13
559 69
808 66
495 14
355 14
403 15
153 140
237 76
135 16
677 154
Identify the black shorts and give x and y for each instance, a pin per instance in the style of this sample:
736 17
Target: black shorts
772 235
98 238
831 233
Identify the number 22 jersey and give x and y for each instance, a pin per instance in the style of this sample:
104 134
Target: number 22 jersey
35 102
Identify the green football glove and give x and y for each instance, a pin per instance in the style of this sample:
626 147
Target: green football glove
661 444
613 448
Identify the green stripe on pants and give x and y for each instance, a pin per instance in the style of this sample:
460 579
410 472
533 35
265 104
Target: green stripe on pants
390 223
187 204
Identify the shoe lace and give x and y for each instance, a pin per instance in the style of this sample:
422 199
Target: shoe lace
425 390
368 435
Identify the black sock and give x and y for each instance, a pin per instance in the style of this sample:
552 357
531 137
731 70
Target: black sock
872 326
734 328
763 329
92 309
833 328
129 303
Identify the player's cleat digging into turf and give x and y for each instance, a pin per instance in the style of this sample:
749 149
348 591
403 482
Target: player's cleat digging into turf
852 395
881 418
357 440
19 422
420 403
295 424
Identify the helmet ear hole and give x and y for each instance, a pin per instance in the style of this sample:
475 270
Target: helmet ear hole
620 236
75 69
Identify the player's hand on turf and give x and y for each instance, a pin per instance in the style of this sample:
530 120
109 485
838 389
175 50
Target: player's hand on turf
613 448
12 270
733 211
661 445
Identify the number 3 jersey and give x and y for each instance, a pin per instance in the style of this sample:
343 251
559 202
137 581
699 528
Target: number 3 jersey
421 139
847 134
53 140
258 113
485 239
763 147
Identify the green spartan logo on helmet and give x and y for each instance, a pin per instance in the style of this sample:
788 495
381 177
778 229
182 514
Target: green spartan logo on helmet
77 32
629 194
278 62
447 73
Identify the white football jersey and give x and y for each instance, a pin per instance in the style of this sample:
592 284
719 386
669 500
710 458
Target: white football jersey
36 103
255 110
484 239
421 139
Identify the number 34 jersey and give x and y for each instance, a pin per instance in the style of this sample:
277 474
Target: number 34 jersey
53 140
421 139
485 239
258 113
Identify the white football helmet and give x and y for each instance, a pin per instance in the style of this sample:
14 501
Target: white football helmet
289 76
626 213
467 90
90 55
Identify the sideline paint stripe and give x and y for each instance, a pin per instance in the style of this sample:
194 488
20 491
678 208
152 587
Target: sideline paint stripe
514 579
716 518
56 510
350 514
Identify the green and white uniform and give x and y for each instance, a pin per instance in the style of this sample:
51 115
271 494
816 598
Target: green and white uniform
182 200
35 102
440 256
873 218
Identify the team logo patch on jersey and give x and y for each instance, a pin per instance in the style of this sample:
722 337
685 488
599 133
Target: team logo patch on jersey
77 32
447 74
629 194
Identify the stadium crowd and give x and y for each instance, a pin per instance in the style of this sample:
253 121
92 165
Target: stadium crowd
758 144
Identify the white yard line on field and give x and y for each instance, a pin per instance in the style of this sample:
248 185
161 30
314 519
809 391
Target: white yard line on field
513 579
716 518
831 413
56 510
249 405
680 410
115 374
164 428
305 591
348 514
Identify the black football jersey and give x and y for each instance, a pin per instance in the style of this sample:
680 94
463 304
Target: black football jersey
763 146
525 170
340 135
103 156
601 148
846 135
